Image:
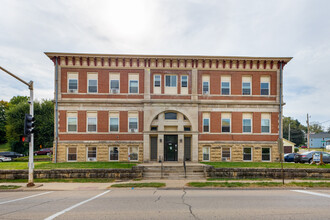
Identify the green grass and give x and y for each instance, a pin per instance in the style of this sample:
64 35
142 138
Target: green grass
26 158
4 147
262 165
225 179
138 185
74 165
73 180
9 187
259 184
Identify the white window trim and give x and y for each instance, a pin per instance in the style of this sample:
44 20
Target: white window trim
209 153
209 126
187 80
67 154
68 90
87 125
176 83
91 157
251 154
208 88
129 86
251 126
270 126
118 153
118 125
137 130
118 86
229 125
268 89
229 87
67 125
222 153
97 86
129 152
160 80
250 89
270 155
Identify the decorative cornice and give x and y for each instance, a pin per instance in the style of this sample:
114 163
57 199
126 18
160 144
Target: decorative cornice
167 61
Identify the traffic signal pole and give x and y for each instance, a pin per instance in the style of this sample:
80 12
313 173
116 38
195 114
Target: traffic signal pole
31 164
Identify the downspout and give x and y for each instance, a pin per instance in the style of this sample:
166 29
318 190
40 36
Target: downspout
280 141
56 109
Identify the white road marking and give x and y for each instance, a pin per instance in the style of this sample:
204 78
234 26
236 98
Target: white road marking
312 193
75 206
25 197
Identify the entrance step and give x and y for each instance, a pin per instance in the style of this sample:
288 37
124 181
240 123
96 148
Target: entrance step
173 171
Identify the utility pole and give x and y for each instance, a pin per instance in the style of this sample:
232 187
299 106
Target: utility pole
307 131
289 133
31 143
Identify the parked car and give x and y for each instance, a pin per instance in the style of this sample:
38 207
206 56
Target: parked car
303 146
289 157
11 154
5 159
308 157
43 151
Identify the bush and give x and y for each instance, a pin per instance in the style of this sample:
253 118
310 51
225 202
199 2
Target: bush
296 149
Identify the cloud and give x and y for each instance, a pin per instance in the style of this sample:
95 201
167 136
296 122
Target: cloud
297 28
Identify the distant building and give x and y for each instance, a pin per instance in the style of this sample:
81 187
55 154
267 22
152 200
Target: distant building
150 107
288 146
319 140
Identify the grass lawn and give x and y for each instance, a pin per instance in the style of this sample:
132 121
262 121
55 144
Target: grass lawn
74 165
4 147
262 165
9 187
259 184
74 180
138 185
26 158
225 179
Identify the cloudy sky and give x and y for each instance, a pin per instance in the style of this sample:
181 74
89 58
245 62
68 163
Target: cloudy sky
297 28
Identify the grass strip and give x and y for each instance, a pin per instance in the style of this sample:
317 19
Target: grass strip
74 180
138 185
247 179
258 184
263 165
9 187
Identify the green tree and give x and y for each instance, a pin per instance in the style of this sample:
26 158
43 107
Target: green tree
297 131
315 127
44 124
3 121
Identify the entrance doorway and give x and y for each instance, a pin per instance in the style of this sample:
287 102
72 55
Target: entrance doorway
171 147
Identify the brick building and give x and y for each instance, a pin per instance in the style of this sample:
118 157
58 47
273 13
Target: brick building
146 108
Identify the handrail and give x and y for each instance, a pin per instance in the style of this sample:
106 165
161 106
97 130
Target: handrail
184 167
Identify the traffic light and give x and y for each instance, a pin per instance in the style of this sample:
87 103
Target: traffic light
28 126
25 139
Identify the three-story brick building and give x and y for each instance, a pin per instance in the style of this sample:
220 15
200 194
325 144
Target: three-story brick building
150 108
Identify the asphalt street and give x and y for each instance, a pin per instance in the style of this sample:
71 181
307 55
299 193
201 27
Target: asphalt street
166 204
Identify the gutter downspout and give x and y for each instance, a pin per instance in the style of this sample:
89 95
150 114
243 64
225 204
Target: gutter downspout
56 109
280 141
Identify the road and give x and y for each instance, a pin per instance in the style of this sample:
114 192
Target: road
165 204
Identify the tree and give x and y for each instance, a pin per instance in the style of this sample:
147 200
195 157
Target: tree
328 129
3 121
297 131
315 127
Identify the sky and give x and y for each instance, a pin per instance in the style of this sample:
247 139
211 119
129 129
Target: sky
288 28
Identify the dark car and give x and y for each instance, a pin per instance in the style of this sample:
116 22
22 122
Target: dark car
44 151
11 154
289 157
307 157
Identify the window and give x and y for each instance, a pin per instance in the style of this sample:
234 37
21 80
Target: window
91 153
187 128
133 153
114 86
72 82
265 123
264 88
91 122
246 88
247 154
206 153
114 124
226 154
72 124
72 154
184 81
206 124
133 124
225 88
170 80
247 122
133 86
92 82
171 115
205 87
225 124
154 128
265 154
114 153
157 80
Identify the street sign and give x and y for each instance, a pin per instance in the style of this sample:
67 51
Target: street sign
317 157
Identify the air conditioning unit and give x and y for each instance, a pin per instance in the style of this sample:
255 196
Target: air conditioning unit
114 91
205 92
133 130
72 91
91 159
225 159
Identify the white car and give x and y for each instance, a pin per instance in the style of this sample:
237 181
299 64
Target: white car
4 159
